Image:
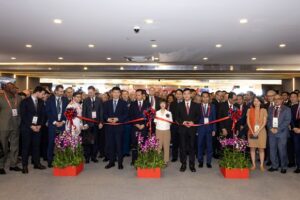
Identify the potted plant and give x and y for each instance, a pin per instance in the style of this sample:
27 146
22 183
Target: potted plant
234 162
150 161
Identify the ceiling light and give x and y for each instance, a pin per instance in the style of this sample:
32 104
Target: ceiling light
91 45
60 58
149 21
121 68
57 21
28 45
154 45
253 58
108 58
195 67
205 58
218 45
85 68
156 58
13 58
231 68
243 21
49 68
282 45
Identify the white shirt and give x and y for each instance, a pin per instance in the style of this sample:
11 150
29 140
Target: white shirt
162 125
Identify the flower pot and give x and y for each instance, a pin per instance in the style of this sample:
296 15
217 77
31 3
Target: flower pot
148 173
235 173
68 171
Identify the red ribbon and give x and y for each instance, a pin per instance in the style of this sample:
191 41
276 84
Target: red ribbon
113 124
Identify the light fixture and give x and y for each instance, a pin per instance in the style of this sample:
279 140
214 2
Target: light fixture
156 58
282 45
57 21
49 68
253 58
154 45
243 21
13 58
231 68
60 58
149 21
85 68
91 45
218 45
121 68
108 58
28 45
205 58
195 67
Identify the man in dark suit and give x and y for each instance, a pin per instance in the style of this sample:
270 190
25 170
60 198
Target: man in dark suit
136 111
241 125
188 113
115 111
175 127
217 101
295 125
226 125
31 110
55 109
92 109
206 132
153 100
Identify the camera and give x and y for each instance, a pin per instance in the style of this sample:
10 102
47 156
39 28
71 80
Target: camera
136 29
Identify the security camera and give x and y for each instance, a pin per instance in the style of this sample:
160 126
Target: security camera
136 29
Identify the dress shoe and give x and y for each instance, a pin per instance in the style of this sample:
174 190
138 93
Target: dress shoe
95 160
105 159
174 160
16 169
2 171
297 171
283 171
50 165
183 167
39 166
192 168
272 169
290 165
269 163
110 165
120 166
200 164
25 170
208 165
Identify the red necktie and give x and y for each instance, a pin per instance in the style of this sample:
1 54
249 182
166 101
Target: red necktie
140 106
187 108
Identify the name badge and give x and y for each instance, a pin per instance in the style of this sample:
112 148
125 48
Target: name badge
34 120
59 117
275 122
206 120
14 112
256 128
94 114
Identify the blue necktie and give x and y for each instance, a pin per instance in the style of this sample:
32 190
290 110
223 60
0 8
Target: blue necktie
115 106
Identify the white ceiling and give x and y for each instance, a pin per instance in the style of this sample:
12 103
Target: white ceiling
185 30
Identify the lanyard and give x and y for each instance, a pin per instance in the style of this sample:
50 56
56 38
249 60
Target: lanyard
208 111
8 102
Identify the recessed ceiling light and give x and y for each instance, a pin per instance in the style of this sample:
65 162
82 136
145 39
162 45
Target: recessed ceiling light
85 68
13 58
205 58
195 67
60 58
243 21
49 68
218 45
57 21
253 58
28 45
231 68
91 45
149 21
108 58
282 45
154 45
121 68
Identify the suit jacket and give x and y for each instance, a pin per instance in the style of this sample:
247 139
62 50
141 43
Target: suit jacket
135 113
193 115
243 120
157 102
51 111
211 116
87 109
224 112
7 121
173 109
121 111
28 111
295 123
284 121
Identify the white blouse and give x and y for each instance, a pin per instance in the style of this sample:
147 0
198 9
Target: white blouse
162 125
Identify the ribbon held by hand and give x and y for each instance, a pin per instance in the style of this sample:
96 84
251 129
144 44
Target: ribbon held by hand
235 115
149 115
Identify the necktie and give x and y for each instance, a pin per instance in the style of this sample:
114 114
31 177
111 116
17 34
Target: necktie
58 106
205 107
93 103
35 104
187 108
276 111
115 106
152 100
140 106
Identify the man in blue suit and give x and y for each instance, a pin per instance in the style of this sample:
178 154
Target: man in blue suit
55 109
206 132
115 111
279 118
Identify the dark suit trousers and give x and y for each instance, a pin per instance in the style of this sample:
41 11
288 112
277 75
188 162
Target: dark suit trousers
30 141
91 150
174 140
187 144
296 140
205 142
115 143
290 148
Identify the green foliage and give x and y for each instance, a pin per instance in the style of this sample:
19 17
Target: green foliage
68 157
150 159
233 159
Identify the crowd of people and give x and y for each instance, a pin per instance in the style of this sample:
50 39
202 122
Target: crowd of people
30 121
